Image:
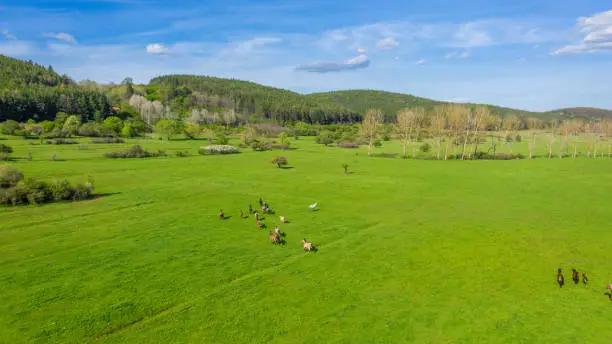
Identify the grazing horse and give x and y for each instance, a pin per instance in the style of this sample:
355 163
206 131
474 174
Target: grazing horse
283 220
221 215
575 276
585 279
275 239
307 245
560 278
258 224
256 215
241 213
277 230
609 289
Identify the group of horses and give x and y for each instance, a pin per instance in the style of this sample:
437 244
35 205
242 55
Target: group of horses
276 236
576 278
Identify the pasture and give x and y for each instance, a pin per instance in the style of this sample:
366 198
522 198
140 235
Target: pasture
409 251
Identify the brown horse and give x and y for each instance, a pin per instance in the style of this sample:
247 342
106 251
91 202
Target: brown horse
575 276
560 278
258 224
609 289
275 239
221 215
585 279
277 230
307 245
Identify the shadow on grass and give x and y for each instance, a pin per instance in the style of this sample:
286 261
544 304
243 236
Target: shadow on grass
107 194
286 167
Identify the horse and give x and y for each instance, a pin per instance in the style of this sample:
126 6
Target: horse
221 215
307 245
275 239
282 219
609 289
560 278
256 215
585 279
277 230
575 276
241 213
258 224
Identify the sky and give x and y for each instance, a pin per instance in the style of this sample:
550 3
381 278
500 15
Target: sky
529 54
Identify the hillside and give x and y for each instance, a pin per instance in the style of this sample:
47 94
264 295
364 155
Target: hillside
390 103
29 90
586 112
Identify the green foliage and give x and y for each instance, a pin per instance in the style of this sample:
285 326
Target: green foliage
28 89
221 138
325 138
5 149
112 126
90 129
61 141
135 152
9 127
128 130
15 190
280 161
71 125
518 138
348 144
425 147
168 128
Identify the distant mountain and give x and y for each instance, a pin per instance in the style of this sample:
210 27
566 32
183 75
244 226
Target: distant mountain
586 112
29 90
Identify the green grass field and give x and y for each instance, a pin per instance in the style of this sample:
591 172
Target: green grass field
409 251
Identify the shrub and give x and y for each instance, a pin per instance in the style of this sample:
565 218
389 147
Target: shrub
425 147
386 137
221 139
82 191
518 138
261 146
385 155
10 127
325 139
218 149
509 138
348 144
9 176
60 141
5 149
181 154
134 152
108 140
377 143
91 129
61 190
280 161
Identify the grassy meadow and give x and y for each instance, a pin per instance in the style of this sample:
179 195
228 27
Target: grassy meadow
409 251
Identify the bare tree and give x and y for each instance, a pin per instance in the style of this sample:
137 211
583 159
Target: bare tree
457 117
481 118
533 124
405 126
510 124
495 122
371 126
229 117
552 124
437 125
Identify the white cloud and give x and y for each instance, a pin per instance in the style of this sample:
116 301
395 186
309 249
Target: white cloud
17 48
361 50
597 32
7 35
456 54
62 36
421 62
358 62
157 49
387 43
472 35
249 45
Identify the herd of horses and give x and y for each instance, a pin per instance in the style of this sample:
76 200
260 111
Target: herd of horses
276 236
576 278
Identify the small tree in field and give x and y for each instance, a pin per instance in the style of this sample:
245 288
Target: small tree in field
280 161
169 128
345 167
284 139
372 126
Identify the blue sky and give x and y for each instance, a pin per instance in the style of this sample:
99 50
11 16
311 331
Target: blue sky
535 55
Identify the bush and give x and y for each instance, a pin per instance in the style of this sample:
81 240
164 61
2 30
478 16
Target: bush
9 177
261 146
377 143
6 149
10 127
134 152
509 138
91 129
425 147
218 149
280 161
14 190
5 157
108 140
181 154
221 139
386 137
348 144
385 155
518 138
60 141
